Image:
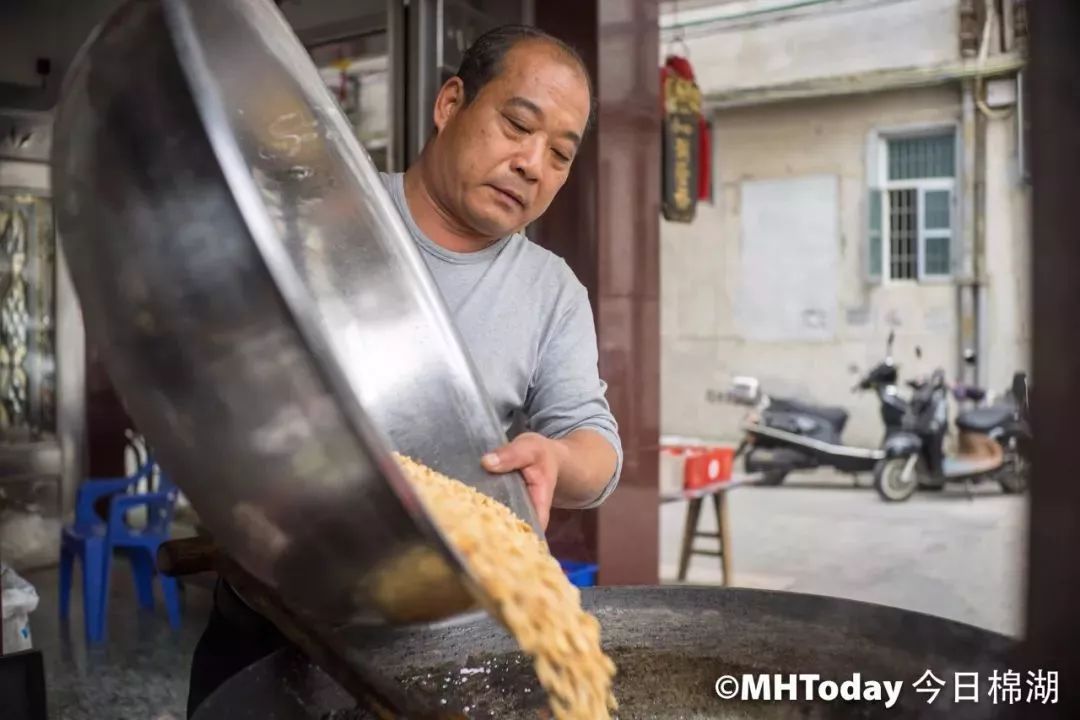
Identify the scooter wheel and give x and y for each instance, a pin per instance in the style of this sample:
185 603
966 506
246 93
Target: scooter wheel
890 482
1013 476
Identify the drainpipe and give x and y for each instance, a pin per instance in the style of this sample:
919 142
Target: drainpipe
966 285
990 37
971 216
980 341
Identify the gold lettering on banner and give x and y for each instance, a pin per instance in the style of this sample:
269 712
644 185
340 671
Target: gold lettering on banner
682 173
682 108
681 96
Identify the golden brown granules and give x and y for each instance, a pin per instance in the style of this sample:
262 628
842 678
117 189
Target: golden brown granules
527 590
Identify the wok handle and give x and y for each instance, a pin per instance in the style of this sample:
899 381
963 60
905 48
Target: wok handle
381 694
378 691
188 556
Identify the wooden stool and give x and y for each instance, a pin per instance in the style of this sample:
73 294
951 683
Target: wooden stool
691 533
695 498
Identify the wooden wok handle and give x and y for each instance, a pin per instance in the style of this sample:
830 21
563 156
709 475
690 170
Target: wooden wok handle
188 556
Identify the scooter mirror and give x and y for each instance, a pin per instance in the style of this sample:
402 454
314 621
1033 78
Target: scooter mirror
745 390
918 351
969 356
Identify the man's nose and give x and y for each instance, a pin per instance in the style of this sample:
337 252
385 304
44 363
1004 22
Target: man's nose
527 161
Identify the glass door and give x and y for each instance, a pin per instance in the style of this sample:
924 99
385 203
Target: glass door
27 318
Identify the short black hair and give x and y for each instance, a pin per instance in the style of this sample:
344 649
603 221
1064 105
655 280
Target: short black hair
483 60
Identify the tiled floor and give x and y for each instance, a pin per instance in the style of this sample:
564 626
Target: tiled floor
140 672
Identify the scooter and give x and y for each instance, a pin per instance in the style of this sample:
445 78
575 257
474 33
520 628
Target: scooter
993 443
785 435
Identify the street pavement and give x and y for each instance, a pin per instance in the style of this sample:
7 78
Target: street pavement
941 553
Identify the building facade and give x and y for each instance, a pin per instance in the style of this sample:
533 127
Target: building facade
869 177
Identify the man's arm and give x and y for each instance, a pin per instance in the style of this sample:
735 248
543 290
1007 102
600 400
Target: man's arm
574 456
587 464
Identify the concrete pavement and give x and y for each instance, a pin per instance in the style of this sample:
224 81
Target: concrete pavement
938 553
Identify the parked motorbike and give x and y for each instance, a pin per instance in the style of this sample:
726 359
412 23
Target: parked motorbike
784 435
993 443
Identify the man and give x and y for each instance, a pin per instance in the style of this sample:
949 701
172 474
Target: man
507 129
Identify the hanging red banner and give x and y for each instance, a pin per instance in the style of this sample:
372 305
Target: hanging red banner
686 145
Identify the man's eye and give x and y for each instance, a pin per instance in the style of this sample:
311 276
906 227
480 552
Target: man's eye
563 157
516 125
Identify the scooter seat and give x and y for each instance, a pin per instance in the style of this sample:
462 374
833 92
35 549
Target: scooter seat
835 416
984 419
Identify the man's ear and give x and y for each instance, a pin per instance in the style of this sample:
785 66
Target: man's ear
448 102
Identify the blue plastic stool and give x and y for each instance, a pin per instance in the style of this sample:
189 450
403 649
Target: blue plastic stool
580 574
93 541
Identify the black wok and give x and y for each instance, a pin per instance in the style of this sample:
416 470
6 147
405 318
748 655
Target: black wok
671 645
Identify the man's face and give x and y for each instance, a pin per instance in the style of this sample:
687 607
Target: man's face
502 157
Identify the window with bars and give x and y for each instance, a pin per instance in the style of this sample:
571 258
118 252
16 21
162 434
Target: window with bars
910 211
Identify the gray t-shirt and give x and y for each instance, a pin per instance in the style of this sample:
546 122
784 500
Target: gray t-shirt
526 321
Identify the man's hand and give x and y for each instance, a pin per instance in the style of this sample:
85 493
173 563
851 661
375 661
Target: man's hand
538 458
568 472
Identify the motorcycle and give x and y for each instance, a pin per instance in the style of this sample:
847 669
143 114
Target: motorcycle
783 435
993 443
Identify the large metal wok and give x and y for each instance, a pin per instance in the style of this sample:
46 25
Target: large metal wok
671 644
262 309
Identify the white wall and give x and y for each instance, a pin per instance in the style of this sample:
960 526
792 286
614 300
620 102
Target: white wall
703 345
743 48
28 175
